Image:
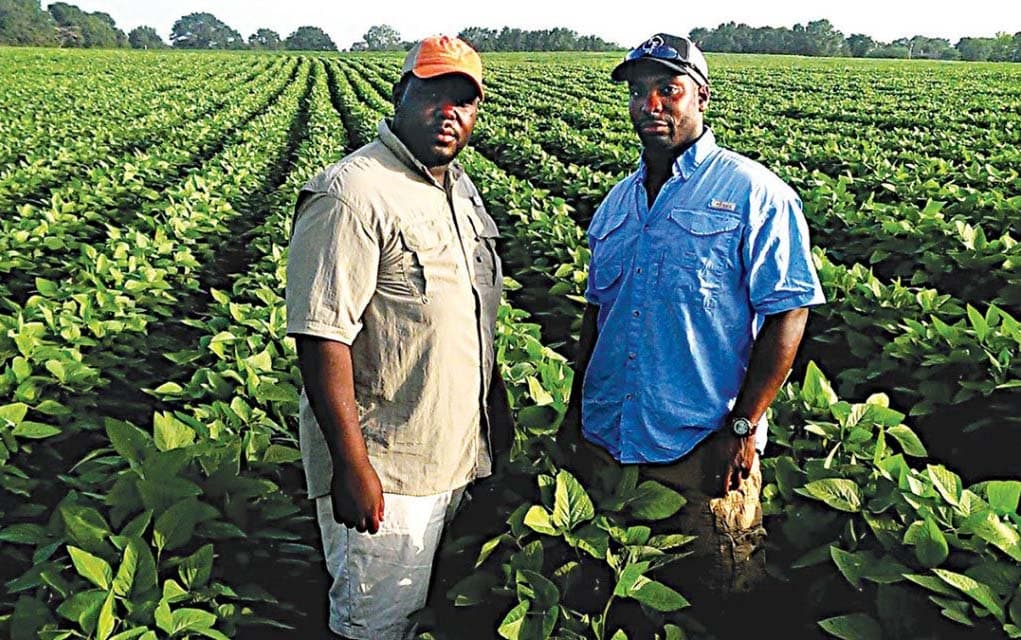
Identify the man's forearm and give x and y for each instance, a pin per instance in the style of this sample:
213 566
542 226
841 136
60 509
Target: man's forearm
772 356
328 377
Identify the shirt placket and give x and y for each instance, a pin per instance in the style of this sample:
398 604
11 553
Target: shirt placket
462 227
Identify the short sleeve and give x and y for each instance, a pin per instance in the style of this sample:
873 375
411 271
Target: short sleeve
781 274
333 261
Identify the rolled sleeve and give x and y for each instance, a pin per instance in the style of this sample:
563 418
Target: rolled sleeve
332 265
781 273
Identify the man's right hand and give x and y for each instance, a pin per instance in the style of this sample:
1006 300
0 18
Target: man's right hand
357 497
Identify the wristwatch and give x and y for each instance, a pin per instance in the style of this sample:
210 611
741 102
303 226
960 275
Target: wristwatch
742 427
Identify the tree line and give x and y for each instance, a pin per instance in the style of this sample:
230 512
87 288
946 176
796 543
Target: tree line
820 38
26 23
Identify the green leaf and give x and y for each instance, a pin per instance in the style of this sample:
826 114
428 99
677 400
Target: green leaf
538 519
975 590
629 578
658 596
279 454
125 577
107 620
175 527
571 503
169 389
13 414
83 608
170 433
1003 495
988 526
196 569
852 565
590 539
546 594
838 493
909 442
261 362
857 626
489 547
23 534
186 619
92 568
931 547
510 626
34 430
128 440
947 483
654 501
932 583
816 389
48 288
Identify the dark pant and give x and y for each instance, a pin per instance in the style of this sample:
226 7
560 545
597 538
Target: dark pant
729 550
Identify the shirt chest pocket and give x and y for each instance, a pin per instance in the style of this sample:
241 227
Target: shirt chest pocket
702 248
423 257
609 253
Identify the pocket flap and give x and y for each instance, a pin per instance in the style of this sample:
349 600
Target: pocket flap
422 236
604 225
701 223
483 223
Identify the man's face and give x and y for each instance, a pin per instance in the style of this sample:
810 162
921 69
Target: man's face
435 117
666 109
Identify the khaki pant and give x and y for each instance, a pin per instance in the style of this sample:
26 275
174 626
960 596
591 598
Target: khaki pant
729 551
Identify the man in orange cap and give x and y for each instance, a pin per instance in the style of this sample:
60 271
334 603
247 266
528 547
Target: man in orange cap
393 285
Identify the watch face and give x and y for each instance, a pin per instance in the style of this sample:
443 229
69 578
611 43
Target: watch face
741 427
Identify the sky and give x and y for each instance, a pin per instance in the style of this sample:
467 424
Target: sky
346 22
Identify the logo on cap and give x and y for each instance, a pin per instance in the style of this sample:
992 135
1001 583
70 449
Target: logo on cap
651 44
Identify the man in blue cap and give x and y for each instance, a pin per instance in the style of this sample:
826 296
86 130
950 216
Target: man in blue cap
698 289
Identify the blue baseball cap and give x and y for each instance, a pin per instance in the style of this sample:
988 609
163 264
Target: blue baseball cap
674 52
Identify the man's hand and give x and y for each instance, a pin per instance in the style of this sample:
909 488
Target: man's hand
732 460
357 497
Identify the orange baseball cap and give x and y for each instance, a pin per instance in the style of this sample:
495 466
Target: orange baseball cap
440 55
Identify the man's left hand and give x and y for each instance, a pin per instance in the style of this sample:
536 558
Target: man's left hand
733 460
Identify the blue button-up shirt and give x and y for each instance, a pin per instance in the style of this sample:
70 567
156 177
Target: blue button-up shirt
682 289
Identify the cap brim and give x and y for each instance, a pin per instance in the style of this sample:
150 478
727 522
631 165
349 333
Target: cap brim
435 71
623 70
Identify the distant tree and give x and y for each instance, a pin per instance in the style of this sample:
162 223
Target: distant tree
1004 48
204 31
145 38
974 49
893 50
23 22
265 39
928 48
310 39
76 28
382 37
859 45
481 38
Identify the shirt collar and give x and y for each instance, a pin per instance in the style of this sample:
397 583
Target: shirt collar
691 159
394 144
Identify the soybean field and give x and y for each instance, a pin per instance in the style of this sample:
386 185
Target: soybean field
150 480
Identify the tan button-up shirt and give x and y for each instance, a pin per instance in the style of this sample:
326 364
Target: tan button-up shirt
404 270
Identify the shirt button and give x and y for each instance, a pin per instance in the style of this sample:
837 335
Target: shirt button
636 313
646 227
478 258
632 356
638 270
627 397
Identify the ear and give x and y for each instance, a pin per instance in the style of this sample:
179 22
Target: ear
703 97
400 88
